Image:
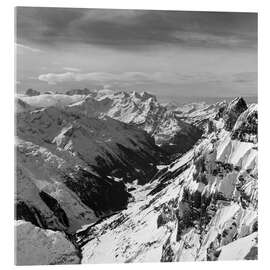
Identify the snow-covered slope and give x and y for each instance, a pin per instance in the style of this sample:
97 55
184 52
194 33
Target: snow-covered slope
198 114
38 246
144 111
201 207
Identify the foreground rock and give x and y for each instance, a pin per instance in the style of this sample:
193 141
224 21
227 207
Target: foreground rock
36 246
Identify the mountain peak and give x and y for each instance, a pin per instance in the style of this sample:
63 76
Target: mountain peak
145 95
238 104
235 108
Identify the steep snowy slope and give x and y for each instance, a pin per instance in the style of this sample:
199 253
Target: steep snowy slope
71 168
143 111
38 246
198 114
201 207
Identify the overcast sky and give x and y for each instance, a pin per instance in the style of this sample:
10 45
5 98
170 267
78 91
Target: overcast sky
163 52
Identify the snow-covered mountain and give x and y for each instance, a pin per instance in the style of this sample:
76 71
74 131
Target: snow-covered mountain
201 207
47 100
139 109
198 114
78 158
144 111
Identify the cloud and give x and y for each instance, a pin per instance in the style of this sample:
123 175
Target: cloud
133 29
28 48
53 78
139 78
113 78
98 77
71 69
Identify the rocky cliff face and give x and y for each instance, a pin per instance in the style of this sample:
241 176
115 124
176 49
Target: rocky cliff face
200 114
232 112
246 126
201 207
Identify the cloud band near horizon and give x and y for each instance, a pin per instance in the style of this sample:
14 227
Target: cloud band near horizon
144 78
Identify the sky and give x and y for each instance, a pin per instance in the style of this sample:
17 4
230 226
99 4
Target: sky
168 53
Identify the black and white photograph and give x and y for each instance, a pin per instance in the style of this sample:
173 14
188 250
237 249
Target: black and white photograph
135 136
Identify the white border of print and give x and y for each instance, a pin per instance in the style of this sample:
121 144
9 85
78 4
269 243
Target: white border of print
7 122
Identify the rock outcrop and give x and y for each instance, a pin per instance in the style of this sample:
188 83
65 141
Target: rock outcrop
36 246
233 111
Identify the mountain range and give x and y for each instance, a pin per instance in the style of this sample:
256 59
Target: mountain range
119 177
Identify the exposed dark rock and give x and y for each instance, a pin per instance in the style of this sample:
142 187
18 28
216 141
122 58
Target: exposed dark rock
167 214
255 226
100 194
212 253
221 111
166 178
248 129
233 111
167 252
140 165
29 213
55 207
182 142
253 254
